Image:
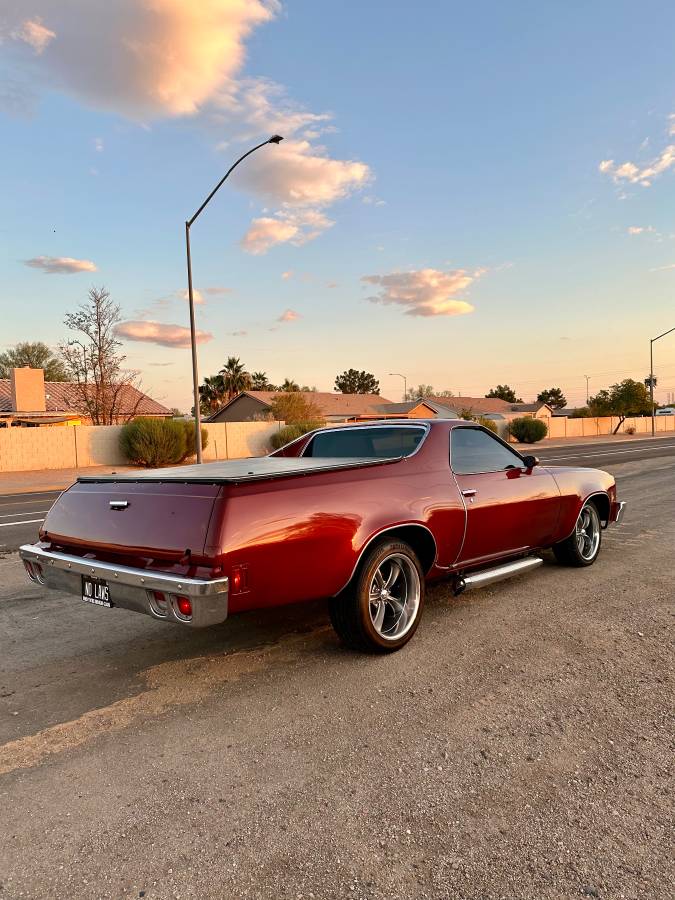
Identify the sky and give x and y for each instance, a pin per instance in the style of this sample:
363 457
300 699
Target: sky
467 194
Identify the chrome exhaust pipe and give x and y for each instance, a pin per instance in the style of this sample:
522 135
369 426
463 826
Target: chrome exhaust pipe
485 577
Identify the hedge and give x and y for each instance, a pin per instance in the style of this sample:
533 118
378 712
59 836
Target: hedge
528 430
291 432
159 442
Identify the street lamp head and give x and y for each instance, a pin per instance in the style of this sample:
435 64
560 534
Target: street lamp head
275 139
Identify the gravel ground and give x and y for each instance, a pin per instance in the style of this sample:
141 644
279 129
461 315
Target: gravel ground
520 747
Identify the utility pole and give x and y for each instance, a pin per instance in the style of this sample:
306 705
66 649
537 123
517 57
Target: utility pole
651 373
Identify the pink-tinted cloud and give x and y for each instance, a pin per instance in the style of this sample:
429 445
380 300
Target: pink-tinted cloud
634 174
298 174
165 57
34 33
160 333
296 226
60 265
425 292
290 315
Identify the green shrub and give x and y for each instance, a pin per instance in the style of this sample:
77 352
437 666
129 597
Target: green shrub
189 426
528 430
487 423
291 432
153 442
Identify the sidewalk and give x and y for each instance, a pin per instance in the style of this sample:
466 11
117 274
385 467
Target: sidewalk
51 479
597 439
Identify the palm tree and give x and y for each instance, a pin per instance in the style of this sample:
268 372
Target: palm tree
289 386
235 377
211 395
260 382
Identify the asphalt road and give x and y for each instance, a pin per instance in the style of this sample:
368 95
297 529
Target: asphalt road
21 514
520 746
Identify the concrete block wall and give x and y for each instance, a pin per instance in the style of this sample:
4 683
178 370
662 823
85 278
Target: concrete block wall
72 447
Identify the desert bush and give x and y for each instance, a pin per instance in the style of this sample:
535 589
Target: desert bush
189 426
291 432
528 430
487 423
294 408
629 429
153 442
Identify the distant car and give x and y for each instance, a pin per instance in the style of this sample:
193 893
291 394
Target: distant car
362 515
666 411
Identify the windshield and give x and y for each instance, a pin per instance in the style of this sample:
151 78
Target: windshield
387 442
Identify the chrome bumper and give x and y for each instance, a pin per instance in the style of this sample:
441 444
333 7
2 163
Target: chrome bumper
131 588
618 509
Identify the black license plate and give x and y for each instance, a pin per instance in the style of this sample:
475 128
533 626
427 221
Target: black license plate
96 591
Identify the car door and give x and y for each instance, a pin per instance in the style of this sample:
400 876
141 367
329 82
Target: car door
509 507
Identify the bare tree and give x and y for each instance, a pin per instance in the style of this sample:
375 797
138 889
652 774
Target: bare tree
104 389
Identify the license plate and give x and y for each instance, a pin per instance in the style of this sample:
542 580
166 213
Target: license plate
96 591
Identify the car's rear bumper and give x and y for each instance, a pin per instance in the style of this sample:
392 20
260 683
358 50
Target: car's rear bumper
617 511
131 588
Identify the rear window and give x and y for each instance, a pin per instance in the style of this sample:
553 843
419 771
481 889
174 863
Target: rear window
369 443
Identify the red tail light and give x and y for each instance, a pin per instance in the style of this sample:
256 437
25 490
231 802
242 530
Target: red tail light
184 606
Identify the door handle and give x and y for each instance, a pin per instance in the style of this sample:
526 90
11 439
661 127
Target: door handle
470 492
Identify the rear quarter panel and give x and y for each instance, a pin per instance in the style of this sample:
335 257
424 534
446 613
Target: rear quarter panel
576 485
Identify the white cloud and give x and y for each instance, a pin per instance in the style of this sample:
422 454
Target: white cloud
298 227
641 229
60 265
33 33
289 315
296 174
99 145
425 292
159 333
142 59
197 296
286 275
663 268
633 174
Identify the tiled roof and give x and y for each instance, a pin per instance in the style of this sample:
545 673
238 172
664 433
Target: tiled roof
64 396
475 404
330 404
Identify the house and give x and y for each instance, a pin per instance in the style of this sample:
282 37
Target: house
248 406
26 399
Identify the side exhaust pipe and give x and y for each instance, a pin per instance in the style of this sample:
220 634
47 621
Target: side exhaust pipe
485 577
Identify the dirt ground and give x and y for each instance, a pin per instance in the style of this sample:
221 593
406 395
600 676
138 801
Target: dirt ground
520 747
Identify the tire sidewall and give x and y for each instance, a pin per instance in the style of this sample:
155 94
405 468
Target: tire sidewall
361 593
594 512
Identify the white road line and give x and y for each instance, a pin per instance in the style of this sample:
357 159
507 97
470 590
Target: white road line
607 453
33 512
25 522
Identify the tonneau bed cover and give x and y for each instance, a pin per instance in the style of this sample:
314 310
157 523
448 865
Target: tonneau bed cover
235 471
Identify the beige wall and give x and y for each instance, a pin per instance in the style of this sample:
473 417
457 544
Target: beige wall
24 449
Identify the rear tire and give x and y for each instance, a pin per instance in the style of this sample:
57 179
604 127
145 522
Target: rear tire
380 609
581 548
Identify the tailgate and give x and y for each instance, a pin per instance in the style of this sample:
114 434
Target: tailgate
161 520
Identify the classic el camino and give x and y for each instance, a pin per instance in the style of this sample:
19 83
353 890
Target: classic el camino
364 515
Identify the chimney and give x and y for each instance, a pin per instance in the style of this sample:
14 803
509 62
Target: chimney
28 390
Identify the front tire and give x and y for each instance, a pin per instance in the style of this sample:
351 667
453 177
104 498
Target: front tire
581 548
380 609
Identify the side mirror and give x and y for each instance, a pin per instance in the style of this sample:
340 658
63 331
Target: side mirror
530 461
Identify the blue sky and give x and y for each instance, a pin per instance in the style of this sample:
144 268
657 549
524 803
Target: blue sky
499 173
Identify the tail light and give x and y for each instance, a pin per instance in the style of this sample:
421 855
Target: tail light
184 607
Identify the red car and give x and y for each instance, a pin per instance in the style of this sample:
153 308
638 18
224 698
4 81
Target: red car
363 515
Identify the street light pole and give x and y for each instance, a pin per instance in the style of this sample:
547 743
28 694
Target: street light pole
275 139
651 373
405 384
588 378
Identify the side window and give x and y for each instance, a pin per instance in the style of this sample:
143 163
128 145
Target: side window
473 450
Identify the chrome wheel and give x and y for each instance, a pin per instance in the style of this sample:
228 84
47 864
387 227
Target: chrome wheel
394 596
588 532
